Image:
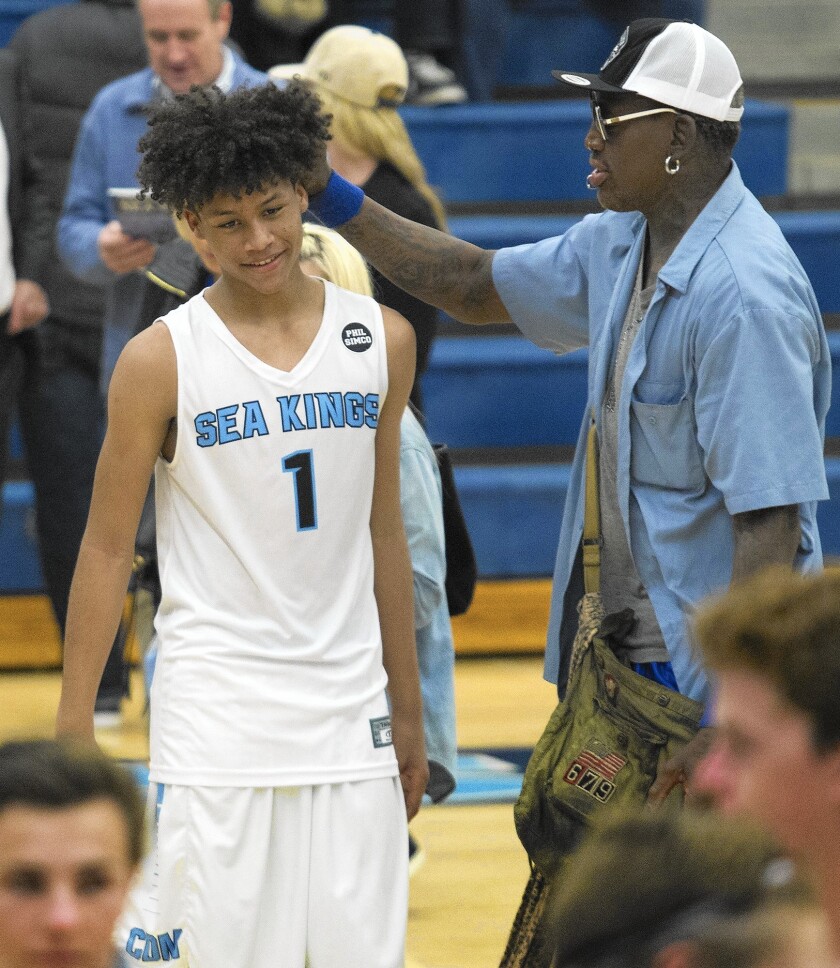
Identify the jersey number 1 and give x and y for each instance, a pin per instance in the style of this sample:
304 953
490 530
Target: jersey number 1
300 465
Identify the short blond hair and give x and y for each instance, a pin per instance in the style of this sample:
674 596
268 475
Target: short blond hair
215 7
784 627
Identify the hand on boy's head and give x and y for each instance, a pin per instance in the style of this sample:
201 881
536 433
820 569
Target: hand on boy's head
315 180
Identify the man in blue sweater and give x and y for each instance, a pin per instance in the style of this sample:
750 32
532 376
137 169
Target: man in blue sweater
185 41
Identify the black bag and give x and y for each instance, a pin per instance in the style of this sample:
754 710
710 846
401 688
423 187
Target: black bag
461 567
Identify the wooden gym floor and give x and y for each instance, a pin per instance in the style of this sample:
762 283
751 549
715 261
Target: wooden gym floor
464 896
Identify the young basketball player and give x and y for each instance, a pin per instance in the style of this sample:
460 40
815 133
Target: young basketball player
269 407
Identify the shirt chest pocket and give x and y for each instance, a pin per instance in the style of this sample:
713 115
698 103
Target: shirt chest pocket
663 439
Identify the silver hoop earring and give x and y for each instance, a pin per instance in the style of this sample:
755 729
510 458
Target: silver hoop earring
672 165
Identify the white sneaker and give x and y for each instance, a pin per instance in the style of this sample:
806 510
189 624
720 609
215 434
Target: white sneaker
430 83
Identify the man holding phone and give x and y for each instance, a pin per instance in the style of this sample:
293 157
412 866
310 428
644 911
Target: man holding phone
185 40
185 44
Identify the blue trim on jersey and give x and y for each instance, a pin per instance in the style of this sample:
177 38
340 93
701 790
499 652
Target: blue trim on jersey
160 790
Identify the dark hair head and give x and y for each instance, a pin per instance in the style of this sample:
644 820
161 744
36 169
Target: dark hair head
205 142
719 137
57 774
644 880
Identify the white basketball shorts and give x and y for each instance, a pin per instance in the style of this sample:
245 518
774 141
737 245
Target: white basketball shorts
282 877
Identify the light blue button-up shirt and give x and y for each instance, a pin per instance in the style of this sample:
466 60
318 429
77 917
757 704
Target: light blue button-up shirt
723 402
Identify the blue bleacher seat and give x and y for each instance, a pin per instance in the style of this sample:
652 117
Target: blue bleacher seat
547 37
828 513
514 516
566 34
533 151
502 391
513 513
14 12
500 231
815 238
541 34
15 442
20 570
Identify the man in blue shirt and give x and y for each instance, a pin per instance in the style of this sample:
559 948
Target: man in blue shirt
185 41
709 372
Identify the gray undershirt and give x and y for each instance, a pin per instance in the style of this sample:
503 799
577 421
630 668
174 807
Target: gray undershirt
621 586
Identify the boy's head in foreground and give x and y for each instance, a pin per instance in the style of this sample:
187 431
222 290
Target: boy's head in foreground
773 645
71 838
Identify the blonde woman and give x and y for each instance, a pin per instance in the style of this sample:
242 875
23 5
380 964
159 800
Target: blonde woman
361 78
325 253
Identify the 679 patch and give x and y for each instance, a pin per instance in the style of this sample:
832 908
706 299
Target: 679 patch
594 769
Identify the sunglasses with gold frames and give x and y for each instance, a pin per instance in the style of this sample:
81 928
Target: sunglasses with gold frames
602 123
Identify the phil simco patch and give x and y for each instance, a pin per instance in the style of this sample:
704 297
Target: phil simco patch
381 731
356 337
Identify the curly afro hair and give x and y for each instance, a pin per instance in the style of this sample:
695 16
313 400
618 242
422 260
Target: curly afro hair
205 142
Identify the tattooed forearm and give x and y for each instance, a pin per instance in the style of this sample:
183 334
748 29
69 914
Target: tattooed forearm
766 537
448 273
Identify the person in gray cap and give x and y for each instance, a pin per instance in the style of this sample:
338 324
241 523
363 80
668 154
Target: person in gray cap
709 371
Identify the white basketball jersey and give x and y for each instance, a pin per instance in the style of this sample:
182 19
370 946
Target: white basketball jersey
270 668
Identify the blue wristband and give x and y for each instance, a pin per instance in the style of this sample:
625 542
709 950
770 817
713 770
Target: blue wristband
337 203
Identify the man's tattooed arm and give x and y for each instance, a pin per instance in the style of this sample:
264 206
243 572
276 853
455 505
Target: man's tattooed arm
769 536
449 273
